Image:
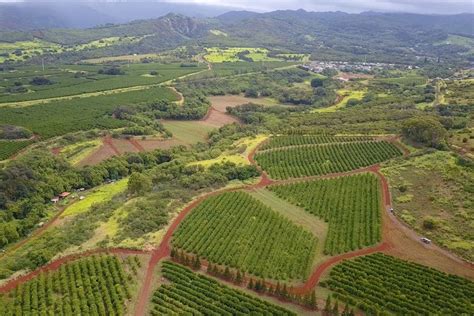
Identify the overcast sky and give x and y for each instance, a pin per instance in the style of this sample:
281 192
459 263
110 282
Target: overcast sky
417 6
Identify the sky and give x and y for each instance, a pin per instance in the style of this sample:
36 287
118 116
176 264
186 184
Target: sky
351 6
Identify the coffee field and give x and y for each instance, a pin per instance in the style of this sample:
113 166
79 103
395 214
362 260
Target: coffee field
379 282
320 159
236 230
350 205
194 294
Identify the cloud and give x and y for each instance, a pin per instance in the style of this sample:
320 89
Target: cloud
351 6
354 6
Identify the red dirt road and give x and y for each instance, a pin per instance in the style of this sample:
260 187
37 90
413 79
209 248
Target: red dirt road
390 242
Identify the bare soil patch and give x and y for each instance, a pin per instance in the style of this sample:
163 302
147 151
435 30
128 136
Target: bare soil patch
215 118
152 144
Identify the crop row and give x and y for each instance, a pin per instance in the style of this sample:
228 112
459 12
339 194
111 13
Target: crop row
91 286
191 293
236 230
61 117
383 283
9 148
311 160
350 205
65 83
298 140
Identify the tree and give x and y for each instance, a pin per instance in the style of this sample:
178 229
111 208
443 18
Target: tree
40 81
139 184
335 309
251 93
196 263
327 307
317 82
238 277
425 130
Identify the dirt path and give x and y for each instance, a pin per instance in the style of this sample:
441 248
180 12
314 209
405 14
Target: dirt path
37 232
107 140
391 232
136 144
54 265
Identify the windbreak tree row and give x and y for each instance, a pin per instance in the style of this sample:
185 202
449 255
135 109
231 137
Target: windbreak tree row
191 293
379 282
350 205
313 160
236 230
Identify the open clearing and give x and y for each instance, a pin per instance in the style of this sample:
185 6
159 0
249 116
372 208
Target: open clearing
344 96
101 194
220 103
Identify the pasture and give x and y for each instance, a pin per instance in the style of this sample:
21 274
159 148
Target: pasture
231 54
95 196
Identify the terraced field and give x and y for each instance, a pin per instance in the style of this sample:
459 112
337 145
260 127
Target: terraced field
380 283
319 158
351 206
237 230
191 293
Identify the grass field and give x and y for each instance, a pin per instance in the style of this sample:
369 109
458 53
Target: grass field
350 205
188 132
75 153
28 49
383 284
432 194
230 54
249 236
459 92
238 153
98 195
346 96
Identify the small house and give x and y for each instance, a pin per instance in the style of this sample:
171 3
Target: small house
64 195
55 199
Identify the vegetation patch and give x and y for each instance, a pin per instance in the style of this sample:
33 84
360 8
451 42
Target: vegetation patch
233 54
250 237
379 283
348 98
192 293
435 184
98 195
75 153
